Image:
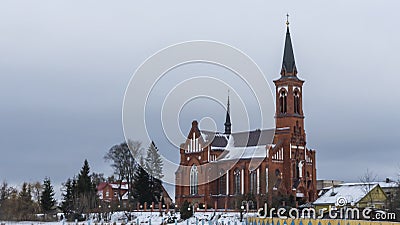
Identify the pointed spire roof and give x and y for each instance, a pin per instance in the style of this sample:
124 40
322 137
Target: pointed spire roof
227 123
288 64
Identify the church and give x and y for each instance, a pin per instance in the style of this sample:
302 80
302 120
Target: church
227 170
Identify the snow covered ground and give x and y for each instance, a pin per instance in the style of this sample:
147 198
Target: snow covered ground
148 218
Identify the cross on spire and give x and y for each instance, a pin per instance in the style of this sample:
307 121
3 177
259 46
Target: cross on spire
287 20
288 64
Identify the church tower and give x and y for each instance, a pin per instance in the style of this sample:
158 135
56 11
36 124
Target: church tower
297 174
286 173
289 88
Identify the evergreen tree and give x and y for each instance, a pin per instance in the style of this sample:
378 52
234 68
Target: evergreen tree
186 210
154 167
47 201
141 187
84 180
154 163
84 190
67 204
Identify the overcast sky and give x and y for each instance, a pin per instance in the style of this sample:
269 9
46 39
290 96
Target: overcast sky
64 67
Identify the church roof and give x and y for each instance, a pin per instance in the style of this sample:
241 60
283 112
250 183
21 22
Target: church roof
240 145
241 139
289 69
253 138
288 63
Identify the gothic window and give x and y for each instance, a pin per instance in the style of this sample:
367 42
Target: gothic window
253 182
236 176
193 180
222 183
296 101
283 102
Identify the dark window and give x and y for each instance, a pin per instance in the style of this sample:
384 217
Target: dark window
283 102
222 183
296 101
253 182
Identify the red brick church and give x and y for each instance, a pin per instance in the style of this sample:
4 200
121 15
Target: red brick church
227 169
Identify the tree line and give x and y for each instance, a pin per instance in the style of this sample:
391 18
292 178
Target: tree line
33 199
140 169
143 179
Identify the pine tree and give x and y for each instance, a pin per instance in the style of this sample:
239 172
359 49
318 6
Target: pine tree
154 166
186 210
47 201
141 188
84 180
154 163
67 204
85 190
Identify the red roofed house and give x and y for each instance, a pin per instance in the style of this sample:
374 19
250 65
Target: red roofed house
111 192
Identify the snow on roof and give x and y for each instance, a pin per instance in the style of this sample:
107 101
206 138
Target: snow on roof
233 153
116 186
388 184
283 128
125 196
352 192
242 139
381 183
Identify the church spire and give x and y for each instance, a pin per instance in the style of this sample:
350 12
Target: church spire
288 64
227 123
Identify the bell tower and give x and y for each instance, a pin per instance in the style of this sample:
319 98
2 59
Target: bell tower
288 90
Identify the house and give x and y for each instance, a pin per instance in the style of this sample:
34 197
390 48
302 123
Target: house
324 185
111 193
390 188
358 195
221 169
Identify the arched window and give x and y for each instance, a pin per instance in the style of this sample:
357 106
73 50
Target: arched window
222 183
296 101
253 182
236 177
193 180
282 102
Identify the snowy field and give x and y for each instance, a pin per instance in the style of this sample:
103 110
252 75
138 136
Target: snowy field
148 218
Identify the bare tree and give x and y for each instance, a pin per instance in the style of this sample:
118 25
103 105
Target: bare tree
36 189
122 158
367 180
